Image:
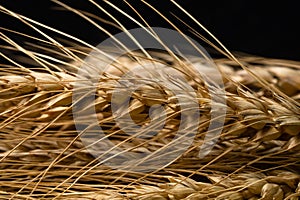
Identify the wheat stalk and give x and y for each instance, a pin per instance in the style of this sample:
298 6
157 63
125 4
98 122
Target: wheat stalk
42 156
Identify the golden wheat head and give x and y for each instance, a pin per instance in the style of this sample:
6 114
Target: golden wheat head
42 156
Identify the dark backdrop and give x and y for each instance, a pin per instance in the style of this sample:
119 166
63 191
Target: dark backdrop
269 30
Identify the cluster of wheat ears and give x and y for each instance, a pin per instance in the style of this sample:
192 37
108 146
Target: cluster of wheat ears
256 155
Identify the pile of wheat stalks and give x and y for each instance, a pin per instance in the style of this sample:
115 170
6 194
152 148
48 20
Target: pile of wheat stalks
42 156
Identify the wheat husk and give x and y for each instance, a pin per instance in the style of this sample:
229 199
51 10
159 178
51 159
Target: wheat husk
256 156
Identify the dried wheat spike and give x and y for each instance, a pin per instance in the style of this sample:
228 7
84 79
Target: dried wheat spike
42 155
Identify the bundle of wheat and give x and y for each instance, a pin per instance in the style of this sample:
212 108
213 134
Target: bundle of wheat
42 155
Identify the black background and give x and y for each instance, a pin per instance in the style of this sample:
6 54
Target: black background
270 30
